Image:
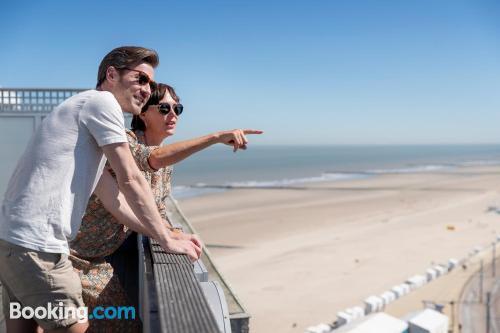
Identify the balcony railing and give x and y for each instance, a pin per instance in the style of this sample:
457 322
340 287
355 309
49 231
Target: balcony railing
33 100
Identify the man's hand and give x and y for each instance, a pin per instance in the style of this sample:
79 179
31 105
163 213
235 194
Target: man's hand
236 138
183 244
190 237
177 233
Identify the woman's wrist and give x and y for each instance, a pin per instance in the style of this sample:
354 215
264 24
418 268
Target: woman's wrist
215 137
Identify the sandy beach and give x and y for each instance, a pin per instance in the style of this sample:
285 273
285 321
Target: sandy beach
296 256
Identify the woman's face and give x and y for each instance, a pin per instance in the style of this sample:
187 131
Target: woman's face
158 124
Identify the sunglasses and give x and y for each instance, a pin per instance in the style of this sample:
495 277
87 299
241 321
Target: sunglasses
143 78
165 108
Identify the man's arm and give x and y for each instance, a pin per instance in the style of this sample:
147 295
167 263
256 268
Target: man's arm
114 201
139 197
176 152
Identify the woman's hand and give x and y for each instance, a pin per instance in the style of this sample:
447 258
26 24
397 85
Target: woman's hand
236 138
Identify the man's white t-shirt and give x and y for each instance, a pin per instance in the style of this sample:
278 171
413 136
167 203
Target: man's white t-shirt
49 190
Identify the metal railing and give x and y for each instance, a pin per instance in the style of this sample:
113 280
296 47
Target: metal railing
33 100
238 315
174 298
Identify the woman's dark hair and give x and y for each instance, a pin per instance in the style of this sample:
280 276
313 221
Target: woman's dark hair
158 92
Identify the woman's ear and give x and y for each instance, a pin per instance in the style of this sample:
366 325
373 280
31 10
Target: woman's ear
143 117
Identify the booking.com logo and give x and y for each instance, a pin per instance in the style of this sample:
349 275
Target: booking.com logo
16 311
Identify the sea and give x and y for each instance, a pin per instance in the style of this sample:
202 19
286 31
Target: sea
218 168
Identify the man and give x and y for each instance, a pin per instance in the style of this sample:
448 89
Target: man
49 190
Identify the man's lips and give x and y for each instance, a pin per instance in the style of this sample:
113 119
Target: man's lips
140 100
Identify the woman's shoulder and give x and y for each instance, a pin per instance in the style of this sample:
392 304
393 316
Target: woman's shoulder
134 137
131 135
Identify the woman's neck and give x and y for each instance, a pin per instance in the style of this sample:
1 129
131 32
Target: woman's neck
151 139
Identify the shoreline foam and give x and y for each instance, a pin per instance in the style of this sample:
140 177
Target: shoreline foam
199 189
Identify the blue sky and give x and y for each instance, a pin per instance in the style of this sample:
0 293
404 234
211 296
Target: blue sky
305 72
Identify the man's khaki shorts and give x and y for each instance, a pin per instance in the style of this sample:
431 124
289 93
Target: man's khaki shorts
36 279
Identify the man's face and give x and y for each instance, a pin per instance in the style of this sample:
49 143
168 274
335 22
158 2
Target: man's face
130 90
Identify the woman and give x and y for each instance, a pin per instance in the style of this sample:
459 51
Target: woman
100 234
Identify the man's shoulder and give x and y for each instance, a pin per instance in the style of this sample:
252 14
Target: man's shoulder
104 98
91 100
98 104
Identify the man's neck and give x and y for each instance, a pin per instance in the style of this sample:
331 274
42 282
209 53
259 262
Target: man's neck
104 87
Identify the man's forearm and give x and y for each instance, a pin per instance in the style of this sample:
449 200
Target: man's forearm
114 201
136 190
124 214
138 195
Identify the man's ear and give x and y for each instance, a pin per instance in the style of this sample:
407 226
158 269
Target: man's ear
112 74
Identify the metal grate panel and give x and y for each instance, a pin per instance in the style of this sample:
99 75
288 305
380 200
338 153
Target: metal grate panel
182 306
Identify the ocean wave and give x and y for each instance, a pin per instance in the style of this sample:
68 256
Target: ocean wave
293 181
183 192
480 163
415 169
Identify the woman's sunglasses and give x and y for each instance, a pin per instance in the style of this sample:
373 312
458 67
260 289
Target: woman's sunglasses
142 78
165 108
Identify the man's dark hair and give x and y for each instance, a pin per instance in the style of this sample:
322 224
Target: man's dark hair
126 56
158 91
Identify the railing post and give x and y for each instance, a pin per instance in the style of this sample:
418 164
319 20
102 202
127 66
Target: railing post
493 268
481 278
488 301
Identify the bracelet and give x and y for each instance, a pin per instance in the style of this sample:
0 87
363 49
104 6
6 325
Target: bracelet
175 230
